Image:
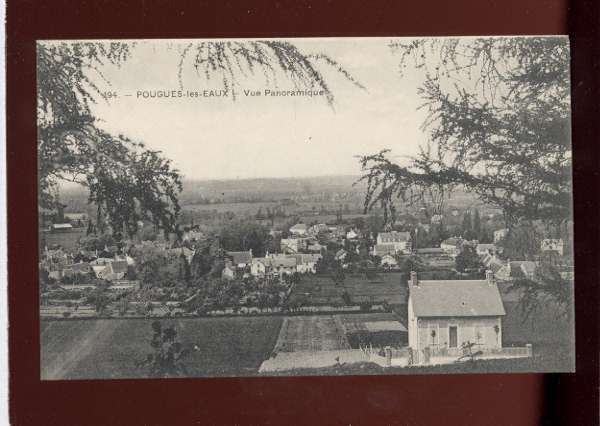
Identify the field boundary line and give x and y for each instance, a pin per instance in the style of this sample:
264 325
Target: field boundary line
341 326
281 338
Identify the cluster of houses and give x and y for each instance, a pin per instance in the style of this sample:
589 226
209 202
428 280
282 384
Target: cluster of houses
305 239
108 264
243 264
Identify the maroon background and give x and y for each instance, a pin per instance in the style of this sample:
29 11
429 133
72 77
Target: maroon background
456 399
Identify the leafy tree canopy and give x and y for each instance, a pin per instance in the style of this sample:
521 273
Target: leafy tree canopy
498 123
128 182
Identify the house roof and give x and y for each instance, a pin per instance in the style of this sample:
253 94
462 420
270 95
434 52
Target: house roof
486 247
76 216
437 218
430 250
340 253
394 237
119 266
456 298
551 244
62 226
79 267
306 258
298 227
452 241
180 250
524 266
495 264
240 256
283 261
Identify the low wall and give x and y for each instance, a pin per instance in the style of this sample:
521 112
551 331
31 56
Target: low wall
285 361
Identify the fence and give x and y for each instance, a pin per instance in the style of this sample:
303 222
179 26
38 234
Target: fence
434 355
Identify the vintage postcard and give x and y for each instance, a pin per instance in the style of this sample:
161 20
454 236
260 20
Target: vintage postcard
308 206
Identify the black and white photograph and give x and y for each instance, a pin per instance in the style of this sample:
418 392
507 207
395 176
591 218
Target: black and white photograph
304 207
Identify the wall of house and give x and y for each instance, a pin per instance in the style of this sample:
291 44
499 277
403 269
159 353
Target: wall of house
476 330
412 325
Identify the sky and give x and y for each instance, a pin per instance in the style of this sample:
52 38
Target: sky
251 137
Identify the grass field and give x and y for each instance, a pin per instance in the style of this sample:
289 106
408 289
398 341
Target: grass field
109 348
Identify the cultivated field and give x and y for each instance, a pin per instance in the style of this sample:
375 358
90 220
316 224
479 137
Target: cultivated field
109 348
311 333
321 290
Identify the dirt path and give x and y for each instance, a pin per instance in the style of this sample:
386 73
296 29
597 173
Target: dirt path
59 367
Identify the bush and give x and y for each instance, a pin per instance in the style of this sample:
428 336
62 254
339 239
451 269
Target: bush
66 314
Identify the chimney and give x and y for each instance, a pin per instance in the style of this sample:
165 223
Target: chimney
489 276
413 279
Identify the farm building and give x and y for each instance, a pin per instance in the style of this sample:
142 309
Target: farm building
400 240
445 314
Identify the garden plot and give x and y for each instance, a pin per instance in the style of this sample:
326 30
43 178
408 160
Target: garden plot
311 334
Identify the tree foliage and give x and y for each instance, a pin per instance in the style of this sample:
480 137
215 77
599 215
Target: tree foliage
128 182
467 259
168 354
498 124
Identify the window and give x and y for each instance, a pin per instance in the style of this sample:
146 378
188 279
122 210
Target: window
453 336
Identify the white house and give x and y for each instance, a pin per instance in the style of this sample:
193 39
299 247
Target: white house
116 270
282 264
437 218
445 314
260 266
307 263
240 259
384 249
389 261
293 245
228 272
552 244
451 245
400 240
483 249
299 229
352 235
340 255
61 227
517 269
500 234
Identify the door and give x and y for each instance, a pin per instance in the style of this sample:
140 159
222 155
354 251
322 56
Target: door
453 336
